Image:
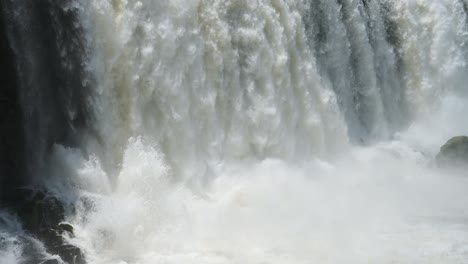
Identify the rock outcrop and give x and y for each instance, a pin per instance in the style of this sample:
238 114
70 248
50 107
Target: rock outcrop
454 152
42 215
11 146
43 79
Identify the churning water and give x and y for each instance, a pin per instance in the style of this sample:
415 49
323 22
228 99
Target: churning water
265 131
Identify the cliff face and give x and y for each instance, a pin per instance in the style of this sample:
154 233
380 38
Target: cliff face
11 157
50 54
44 87
43 101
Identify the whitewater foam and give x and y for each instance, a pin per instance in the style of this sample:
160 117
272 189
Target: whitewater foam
266 132
384 205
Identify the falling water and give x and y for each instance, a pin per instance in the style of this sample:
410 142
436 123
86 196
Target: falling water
265 131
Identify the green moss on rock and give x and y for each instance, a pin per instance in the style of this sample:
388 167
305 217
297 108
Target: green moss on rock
66 227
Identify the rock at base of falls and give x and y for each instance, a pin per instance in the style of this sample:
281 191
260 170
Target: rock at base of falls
42 215
454 152
51 261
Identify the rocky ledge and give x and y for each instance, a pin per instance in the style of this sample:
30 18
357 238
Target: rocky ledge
42 216
454 153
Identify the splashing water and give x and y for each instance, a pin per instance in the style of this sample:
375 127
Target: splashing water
269 131
235 105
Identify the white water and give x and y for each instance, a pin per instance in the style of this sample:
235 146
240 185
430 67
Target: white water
222 133
15 244
384 204
10 250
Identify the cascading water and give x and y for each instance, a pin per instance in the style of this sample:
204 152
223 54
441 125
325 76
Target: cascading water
266 131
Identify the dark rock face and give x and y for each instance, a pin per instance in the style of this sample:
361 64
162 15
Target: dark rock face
44 87
51 261
11 163
66 227
42 216
53 82
454 152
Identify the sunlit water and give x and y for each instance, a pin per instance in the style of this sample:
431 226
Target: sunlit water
382 204
268 132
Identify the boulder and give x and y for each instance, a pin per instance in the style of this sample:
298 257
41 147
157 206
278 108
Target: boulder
454 152
40 211
51 261
69 254
42 215
66 227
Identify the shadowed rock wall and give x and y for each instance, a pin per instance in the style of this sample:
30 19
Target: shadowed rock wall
11 133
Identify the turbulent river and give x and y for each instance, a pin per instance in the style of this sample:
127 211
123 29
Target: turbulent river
246 131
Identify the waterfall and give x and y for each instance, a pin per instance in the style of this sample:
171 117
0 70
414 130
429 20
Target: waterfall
240 131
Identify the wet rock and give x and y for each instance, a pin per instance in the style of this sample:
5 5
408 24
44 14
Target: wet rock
454 152
66 227
70 254
41 212
51 261
12 174
42 215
